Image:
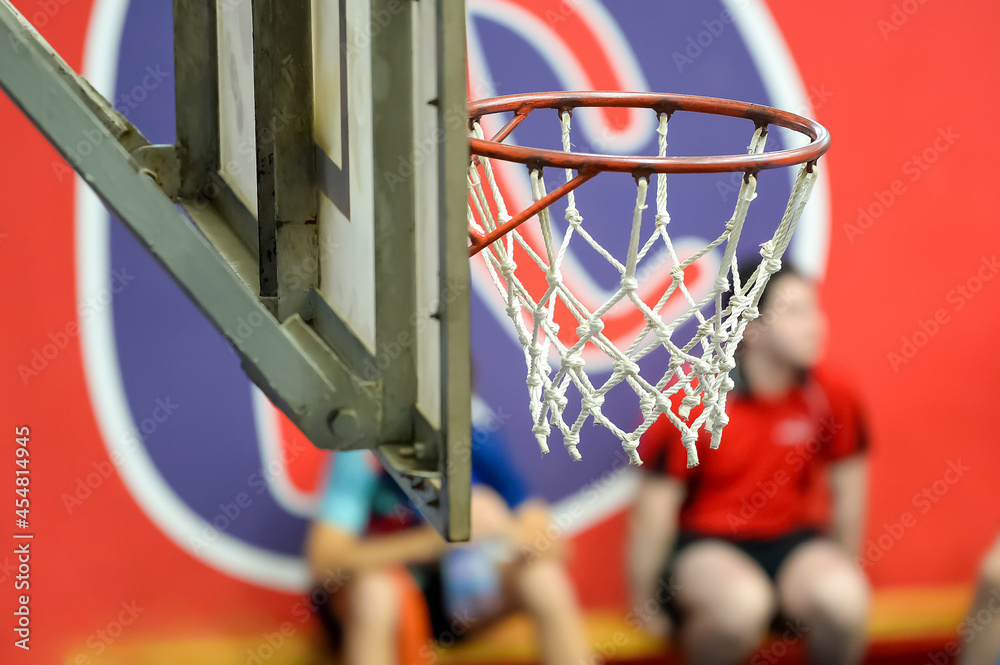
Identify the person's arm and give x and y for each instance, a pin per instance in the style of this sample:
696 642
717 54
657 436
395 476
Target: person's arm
337 543
526 527
533 518
652 531
509 509
849 486
331 550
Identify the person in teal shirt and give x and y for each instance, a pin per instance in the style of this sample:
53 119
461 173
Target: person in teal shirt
366 531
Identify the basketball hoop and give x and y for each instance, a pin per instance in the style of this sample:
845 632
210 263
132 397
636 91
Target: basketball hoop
698 369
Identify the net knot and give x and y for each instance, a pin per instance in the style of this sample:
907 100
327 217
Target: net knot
701 368
710 400
721 284
677 274
751 313
590 328
573 361
534 380
770 263
571 441
720 336
716 423
631 445
738 303
689 438
541 432
663 336
555 397
573 216
688 403
625 367
662 219
727 384
630 284
552 277
646 403
592 403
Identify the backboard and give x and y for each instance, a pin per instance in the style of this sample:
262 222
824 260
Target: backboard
371 115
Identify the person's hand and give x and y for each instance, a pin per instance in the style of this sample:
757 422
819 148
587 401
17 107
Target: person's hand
533 532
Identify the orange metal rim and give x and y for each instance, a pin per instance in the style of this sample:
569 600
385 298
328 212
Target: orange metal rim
640 166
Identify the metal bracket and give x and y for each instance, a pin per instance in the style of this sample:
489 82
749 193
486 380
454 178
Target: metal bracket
160 163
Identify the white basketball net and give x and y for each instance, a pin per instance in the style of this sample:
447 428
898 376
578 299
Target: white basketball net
698 370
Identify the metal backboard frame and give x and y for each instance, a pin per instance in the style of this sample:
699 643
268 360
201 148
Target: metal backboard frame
242 223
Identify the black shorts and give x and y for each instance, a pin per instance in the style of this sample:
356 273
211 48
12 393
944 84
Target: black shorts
428 578
769 553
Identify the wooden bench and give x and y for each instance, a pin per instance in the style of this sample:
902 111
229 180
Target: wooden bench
905 622
906 625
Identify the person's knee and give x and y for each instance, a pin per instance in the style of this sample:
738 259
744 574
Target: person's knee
839 599
544 586
739 616
990 568
730 632
749 608
372 599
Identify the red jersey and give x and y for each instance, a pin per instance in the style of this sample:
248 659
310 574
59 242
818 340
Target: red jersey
768 476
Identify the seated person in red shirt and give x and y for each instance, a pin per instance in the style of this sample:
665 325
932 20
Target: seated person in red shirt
717 551
368 534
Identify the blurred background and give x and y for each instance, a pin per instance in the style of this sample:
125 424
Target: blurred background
170 499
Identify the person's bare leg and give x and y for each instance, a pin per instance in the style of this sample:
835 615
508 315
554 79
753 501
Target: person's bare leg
823 591
727 602
535 581
369 615
982 627
544 591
